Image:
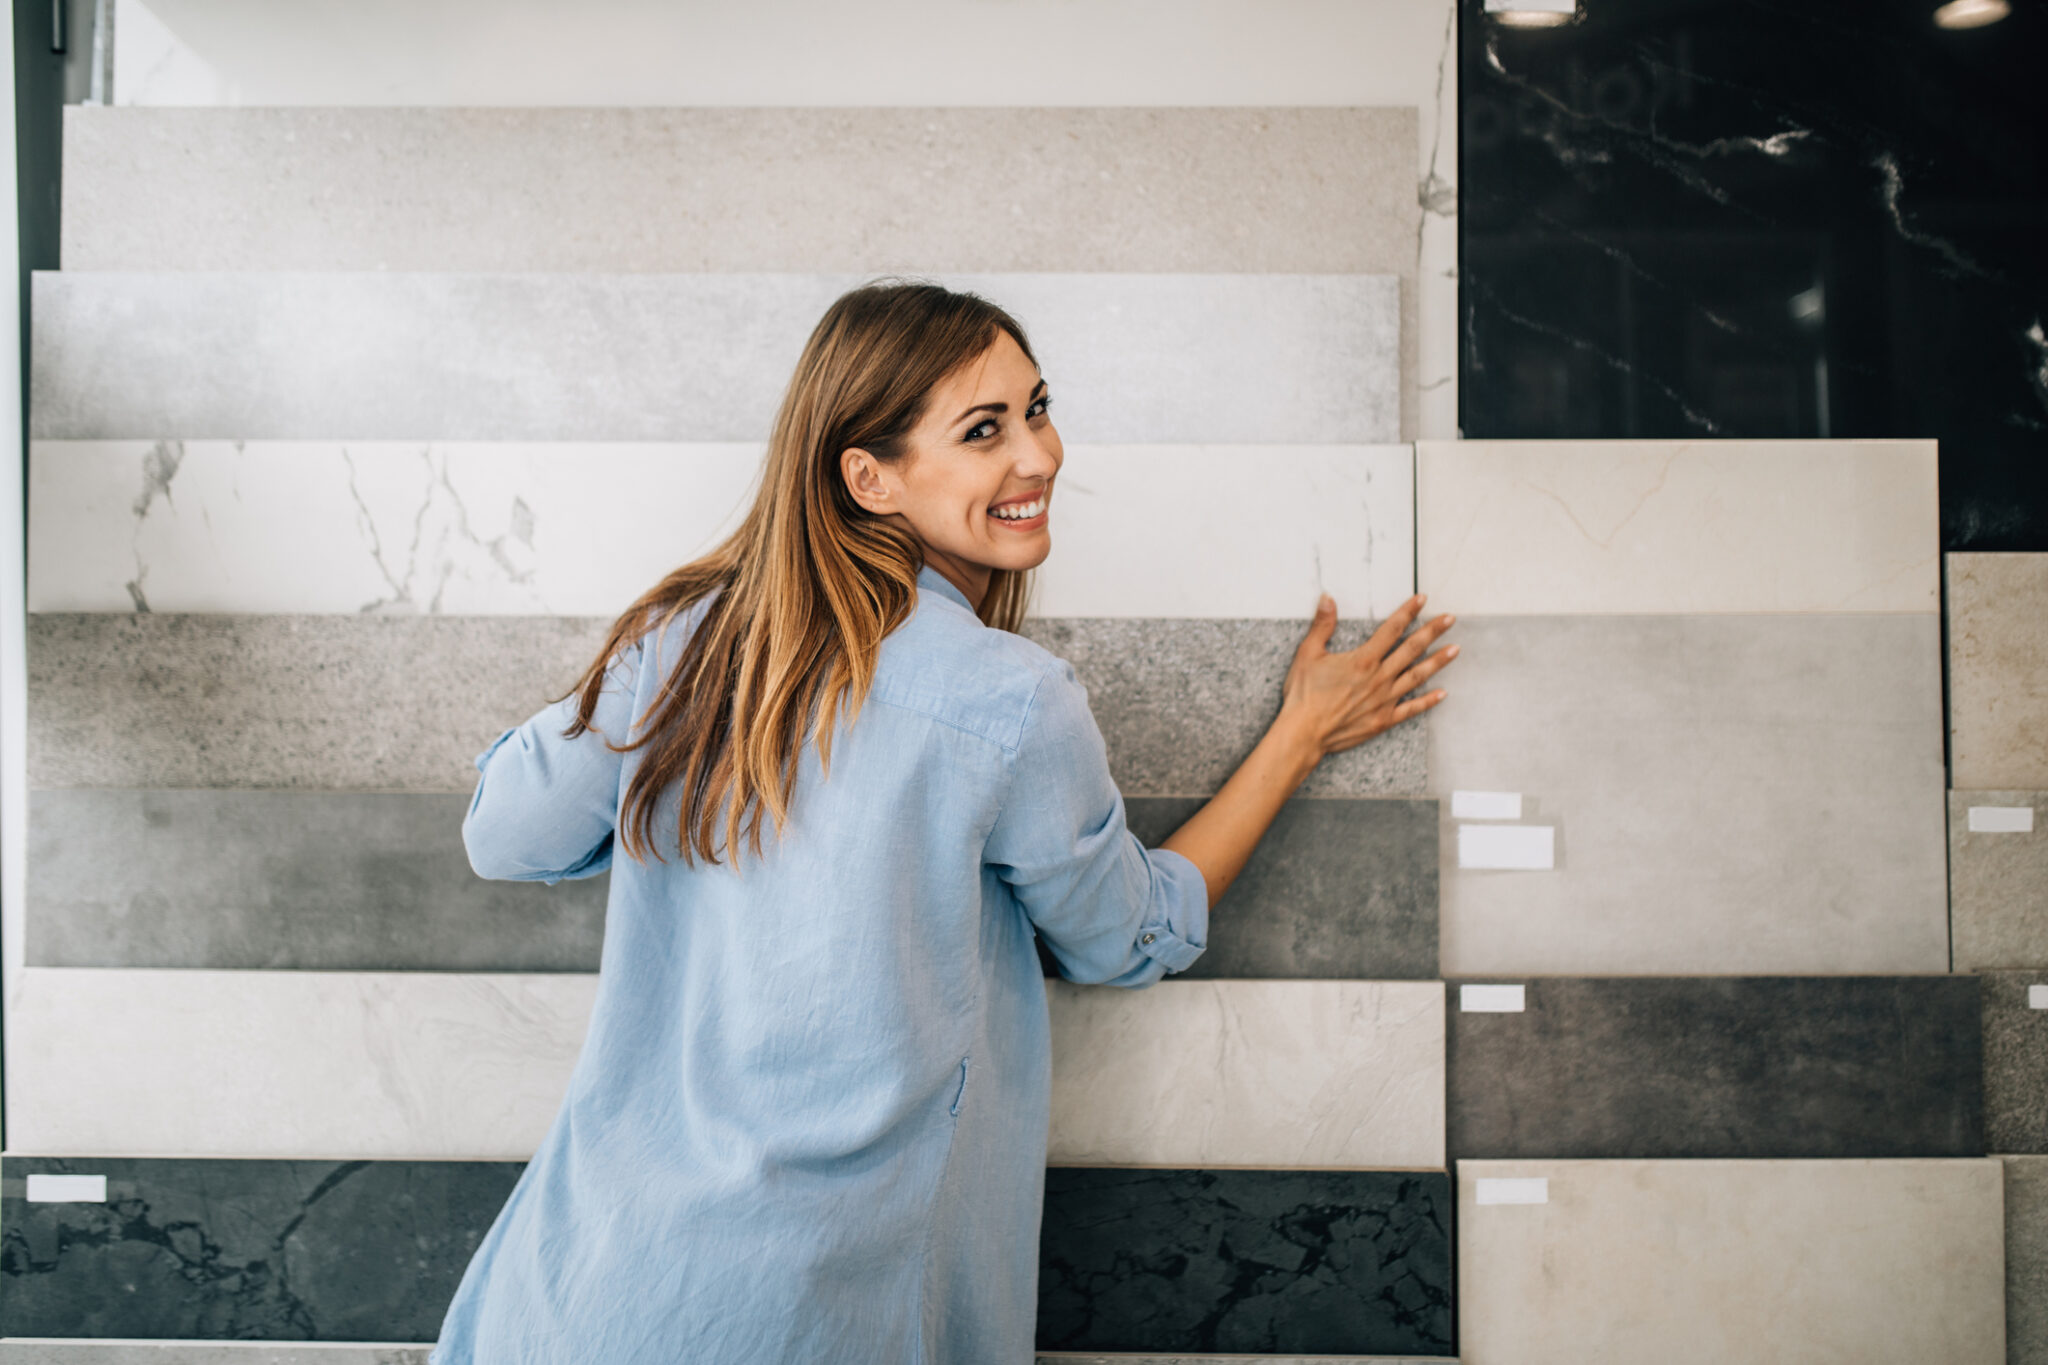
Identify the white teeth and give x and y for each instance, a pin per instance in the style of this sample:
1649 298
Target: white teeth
1019 511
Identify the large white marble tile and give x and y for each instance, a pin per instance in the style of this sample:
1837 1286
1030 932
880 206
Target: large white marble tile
1249 1073
581 529
1711 1262
1998 670
1225 358
1730 794
294 1063
1515 528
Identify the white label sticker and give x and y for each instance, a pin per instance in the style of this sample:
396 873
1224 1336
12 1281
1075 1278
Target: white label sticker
1490 999
1517 848
2001 819
67 1189
1486 805
1515 1190
2037 997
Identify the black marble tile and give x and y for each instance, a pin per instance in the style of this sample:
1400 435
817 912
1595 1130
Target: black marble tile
1694 1067
1262 1262
326 881
1337 889
2015 1065
194 1249
1764 218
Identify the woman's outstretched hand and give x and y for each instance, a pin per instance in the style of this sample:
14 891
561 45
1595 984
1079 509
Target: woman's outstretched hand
1333 701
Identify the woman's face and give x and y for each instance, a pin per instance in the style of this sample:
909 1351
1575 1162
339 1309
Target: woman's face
977 478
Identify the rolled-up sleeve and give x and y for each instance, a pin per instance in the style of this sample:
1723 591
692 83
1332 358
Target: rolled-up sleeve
545 806
1112 911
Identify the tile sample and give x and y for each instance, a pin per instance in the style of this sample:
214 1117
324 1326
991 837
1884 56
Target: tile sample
323 881
1517 528
473 528
1338 887
1997 657
1236 1261
1733 795
1181 702
51 1351
1227 358
1248 1073
458 1065
384 703
2026 1259
313 1250
1998 881
2015 1023
1707 1262
1721 1067
405 703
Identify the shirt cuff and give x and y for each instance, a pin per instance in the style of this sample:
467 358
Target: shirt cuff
1176 927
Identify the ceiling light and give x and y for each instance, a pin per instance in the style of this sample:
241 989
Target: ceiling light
1533 13
1971 13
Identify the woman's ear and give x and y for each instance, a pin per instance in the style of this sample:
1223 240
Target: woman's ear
863 475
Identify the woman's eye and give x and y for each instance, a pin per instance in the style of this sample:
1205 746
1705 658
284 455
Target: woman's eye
1044 402
980 427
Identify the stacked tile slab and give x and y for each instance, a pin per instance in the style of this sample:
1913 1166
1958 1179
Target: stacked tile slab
321 499
1998 888
1713 1093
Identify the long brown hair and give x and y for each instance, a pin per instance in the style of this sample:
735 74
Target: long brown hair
804 592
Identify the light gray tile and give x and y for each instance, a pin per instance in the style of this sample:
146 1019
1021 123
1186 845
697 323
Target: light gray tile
1881 1262
1997 658
1733 795
1338 888
2015 1063
1998 883
326 881
1130 357
2026 1260
405 703
1181 702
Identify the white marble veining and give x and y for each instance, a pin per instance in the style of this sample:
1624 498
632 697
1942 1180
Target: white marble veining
1220 358
581 529
1249 1073
290 1063
1516 528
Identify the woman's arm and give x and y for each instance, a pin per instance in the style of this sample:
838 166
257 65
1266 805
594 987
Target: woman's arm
1330 702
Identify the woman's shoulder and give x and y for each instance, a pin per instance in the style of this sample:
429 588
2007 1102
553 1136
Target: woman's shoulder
945 663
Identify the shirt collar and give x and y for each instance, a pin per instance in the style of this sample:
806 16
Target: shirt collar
931 580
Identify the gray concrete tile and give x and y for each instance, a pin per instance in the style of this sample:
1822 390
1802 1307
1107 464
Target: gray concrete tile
1336 888
323 881
1702 1067
1997 657
2026 1260
1998 883
1218 358
1732 794
2015 1062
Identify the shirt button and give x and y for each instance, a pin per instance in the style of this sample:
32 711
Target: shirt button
1148 938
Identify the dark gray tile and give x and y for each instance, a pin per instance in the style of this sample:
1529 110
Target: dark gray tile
1182 701
1702 1067
327 881
1267 1262
1338 888
278 1250
2015 1064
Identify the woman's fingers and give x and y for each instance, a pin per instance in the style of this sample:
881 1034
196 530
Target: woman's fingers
1421 638
1320 628
1375 646
1423 670
1418 705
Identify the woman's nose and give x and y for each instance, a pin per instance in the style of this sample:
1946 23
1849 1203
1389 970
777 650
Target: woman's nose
1039 456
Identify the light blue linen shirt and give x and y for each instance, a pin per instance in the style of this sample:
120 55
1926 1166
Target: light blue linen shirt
809 1120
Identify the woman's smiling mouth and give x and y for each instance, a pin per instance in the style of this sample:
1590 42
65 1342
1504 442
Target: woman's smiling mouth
1023 514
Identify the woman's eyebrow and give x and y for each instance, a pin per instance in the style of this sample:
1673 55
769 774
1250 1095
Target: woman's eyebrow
996 407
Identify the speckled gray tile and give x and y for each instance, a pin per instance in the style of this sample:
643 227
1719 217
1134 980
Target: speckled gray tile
1181 702
1224 1261
1997 657
405 703
2026 1260
1733 795
1338 887
1998 881
2016 1062
1720 1067
333 881
400 703
350 1251
1130 357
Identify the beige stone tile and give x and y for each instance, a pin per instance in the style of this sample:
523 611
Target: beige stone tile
1998 671
1998 881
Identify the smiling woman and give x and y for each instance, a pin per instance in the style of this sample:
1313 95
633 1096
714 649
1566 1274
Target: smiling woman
809 1120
